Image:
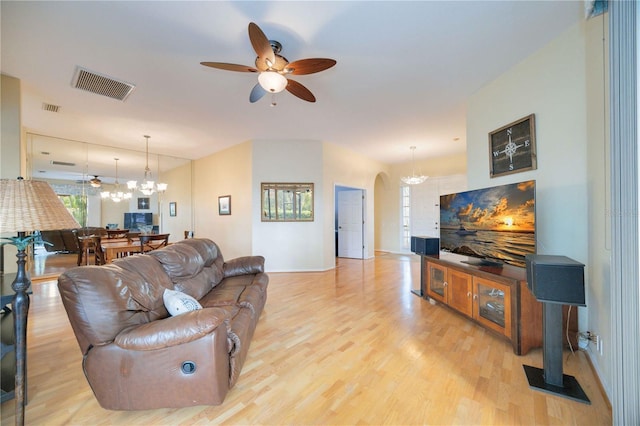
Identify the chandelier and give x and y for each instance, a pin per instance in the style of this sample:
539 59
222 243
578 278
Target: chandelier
116 196
148 185
413 179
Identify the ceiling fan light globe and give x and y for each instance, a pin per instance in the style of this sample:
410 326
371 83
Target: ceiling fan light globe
272 81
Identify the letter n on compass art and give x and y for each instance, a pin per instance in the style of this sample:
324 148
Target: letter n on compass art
512 148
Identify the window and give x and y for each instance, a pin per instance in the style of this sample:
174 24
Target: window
287 202
405 193
77 206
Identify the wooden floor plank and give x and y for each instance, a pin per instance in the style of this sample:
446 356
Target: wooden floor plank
347 346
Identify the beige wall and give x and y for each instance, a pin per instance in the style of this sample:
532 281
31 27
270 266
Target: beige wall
599 208
567 101
10 123
344 167
551 84
289 246
179 192
111 212
225 173
10 158
388 225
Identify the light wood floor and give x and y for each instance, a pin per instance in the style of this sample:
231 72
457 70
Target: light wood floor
346 346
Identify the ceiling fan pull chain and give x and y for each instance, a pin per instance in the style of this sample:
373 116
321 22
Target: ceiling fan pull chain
273 100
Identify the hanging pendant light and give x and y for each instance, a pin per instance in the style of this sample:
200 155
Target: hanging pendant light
413 179
148 186
117 195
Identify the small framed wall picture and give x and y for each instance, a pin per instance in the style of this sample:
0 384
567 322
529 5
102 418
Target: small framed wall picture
143 203
172 208
512 148
224 205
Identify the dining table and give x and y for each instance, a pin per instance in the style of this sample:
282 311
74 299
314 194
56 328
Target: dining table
120 247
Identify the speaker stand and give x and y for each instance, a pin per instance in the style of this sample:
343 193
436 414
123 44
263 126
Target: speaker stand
422 291
550 379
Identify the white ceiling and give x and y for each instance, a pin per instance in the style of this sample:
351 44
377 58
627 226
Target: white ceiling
404 69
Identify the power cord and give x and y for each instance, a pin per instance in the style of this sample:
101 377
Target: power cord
567 333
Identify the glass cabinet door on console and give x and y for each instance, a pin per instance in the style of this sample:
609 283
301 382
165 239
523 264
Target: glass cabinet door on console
437 282
496 299
492 305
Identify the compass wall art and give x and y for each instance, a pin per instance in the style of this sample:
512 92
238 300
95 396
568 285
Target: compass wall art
512 148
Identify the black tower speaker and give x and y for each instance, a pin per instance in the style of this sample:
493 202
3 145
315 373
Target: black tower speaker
425 245
555 281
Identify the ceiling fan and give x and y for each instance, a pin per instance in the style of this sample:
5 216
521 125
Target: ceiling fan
95 182
274 68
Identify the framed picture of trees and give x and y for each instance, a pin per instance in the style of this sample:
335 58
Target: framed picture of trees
287 202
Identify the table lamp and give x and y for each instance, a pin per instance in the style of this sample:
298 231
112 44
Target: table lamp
27 206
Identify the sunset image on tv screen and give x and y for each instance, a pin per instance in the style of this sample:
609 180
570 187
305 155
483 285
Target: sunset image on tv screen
495 223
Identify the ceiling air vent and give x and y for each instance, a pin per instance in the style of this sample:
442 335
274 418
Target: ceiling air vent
50 107
101 84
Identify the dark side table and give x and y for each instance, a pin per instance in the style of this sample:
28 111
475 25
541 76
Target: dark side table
7 346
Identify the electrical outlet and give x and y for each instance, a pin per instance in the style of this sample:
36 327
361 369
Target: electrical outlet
586 337
583 341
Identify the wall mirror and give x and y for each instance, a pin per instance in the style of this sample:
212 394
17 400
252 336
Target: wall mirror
80 171
287 202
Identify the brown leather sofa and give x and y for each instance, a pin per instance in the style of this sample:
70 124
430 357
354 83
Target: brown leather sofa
135 355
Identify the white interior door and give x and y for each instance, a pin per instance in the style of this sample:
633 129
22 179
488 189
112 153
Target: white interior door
425 203
350 224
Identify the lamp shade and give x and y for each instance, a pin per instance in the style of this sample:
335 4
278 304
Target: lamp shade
272 81
31 205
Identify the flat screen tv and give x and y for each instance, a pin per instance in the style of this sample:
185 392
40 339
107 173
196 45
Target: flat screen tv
133 221
492 226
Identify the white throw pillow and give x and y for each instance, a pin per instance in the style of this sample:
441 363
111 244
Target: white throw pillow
178 303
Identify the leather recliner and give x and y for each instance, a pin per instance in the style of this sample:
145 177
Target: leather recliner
135 355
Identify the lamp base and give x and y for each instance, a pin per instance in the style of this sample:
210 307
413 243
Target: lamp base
570 387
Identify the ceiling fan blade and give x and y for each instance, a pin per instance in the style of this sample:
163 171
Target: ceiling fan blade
261 44
309 66
229 67
297 89
257 93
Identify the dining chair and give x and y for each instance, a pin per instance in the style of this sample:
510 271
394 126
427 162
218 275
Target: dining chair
85 247
150 242
100 258
117 233
132 235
